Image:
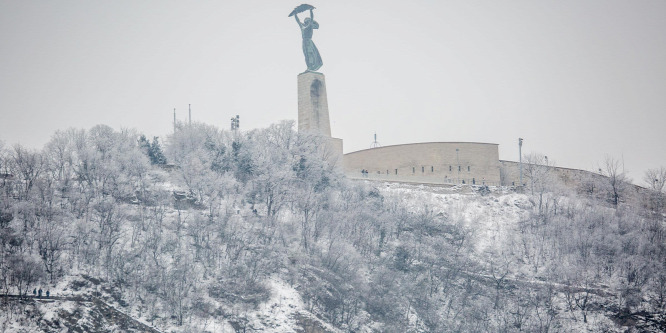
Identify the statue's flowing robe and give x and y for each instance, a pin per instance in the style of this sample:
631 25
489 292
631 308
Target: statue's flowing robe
312 57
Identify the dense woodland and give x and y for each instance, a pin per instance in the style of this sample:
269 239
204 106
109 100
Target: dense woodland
191 227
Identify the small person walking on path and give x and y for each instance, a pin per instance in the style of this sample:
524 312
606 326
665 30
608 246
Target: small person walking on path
40 292
34 292
48 293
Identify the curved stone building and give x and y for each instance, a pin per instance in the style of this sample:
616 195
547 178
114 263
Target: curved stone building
429 162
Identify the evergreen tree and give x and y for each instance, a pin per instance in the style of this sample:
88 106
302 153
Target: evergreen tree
152 150
155 153
144 144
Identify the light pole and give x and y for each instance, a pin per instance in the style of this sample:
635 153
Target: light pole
458 161
520 152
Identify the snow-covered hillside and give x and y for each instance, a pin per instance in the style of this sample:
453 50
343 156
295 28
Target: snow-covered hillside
495 218
257 232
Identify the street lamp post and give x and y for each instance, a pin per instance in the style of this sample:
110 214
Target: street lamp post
520 152
458 161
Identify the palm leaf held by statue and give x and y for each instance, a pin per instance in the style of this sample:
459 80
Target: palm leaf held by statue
300 9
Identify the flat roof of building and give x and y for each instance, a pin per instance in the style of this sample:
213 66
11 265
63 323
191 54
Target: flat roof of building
422 143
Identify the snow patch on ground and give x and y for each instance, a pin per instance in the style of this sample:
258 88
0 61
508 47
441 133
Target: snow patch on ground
279 314
491 216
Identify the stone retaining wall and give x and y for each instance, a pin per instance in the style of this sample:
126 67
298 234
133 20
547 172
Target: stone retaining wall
429 162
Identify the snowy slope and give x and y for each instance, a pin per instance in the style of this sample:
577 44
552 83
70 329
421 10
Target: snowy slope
492 216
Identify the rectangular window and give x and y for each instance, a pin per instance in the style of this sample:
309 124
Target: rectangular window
432 169
422 169
450 168
396 171
413 170
459 168
468 168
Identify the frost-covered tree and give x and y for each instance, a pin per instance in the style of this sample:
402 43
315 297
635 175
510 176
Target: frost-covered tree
656 181
27 166
616 179
25 271
539 172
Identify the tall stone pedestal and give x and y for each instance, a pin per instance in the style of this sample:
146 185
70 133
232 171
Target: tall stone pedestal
313 104
313 112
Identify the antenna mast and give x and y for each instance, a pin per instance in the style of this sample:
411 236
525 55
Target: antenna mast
375 143
174 120
189 107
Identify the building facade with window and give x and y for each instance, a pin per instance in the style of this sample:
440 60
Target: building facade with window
470 163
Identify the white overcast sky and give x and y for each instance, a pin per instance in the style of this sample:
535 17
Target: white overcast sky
577 79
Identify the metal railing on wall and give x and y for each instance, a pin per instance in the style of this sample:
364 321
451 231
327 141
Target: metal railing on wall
419 178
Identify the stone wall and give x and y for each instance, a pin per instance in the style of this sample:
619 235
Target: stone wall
510 174
429 162
582 181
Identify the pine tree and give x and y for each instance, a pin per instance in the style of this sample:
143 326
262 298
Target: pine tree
155 153
144 145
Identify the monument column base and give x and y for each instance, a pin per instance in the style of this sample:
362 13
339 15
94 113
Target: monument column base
313 104
313 114
335 147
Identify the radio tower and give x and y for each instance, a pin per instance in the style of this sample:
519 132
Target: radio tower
375 143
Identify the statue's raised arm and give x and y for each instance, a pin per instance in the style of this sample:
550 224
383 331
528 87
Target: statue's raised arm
315 25
298 21
312 57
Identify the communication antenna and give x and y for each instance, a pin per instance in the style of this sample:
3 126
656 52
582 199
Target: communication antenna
375 143
189 107
174 120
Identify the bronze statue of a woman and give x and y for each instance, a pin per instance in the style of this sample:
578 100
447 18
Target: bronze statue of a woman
312 57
